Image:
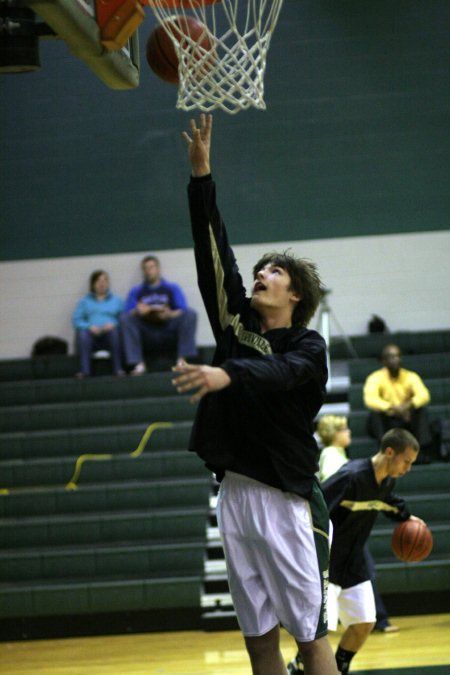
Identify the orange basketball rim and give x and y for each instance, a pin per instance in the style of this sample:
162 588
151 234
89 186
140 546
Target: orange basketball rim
180 4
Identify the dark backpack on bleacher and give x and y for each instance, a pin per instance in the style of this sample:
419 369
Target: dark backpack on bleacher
49 345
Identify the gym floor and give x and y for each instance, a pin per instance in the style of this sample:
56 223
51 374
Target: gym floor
420 647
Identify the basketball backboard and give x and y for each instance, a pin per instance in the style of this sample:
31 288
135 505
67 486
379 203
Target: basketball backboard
74 21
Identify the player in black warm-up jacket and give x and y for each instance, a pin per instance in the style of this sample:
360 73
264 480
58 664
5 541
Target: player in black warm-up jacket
254 430
355 494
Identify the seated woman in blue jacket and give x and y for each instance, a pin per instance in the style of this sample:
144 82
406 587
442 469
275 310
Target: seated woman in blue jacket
96 321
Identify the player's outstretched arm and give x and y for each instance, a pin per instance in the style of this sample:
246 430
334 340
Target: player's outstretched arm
204 379
199 144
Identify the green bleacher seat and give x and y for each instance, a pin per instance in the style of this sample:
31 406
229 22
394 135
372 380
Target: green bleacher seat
362 447
425 479
145 559
96 413
414 342
164 524
74 442
106 497
66 366
358 420
429 366
39 367
71 598
422 577
90 389
150 465
429 507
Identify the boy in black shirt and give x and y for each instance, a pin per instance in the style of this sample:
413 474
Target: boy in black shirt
254 430
355 494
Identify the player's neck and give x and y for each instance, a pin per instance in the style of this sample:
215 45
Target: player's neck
393 373
275 319
379 467
154 282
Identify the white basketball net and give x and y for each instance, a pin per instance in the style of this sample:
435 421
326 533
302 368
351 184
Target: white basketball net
230 74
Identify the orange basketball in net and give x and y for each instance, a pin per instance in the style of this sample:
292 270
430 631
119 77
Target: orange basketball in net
194 40
412 541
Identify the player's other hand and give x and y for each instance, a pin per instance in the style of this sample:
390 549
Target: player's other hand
201 377
418 520
199 144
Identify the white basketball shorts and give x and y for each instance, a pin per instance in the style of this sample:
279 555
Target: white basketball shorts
351 605
276 550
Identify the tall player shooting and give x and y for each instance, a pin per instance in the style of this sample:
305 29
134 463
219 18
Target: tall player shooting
254 430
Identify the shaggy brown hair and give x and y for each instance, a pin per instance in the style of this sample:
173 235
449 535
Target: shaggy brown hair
305 281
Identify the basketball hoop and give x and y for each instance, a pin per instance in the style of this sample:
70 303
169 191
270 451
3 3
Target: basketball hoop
230 75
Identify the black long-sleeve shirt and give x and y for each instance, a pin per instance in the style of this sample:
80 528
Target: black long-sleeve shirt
354 499
262 424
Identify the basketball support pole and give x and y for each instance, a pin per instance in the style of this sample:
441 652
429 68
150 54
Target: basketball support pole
324 317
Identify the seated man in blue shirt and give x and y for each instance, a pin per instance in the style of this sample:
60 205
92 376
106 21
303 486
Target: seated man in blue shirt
156 316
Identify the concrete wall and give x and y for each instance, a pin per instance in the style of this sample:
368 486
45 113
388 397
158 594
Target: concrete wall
348 165
403 278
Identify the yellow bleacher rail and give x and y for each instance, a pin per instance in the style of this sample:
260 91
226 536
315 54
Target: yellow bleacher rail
91 457
73 482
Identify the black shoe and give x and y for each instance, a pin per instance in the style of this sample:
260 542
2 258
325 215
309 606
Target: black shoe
295 667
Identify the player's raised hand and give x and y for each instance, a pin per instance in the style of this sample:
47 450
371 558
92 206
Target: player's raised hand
201 377
199 144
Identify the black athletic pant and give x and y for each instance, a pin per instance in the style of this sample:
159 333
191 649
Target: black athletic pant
378 423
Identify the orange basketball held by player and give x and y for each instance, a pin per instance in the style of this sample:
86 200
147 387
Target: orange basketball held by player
194 42
412 541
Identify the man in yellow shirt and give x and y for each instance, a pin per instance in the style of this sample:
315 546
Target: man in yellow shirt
397 397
